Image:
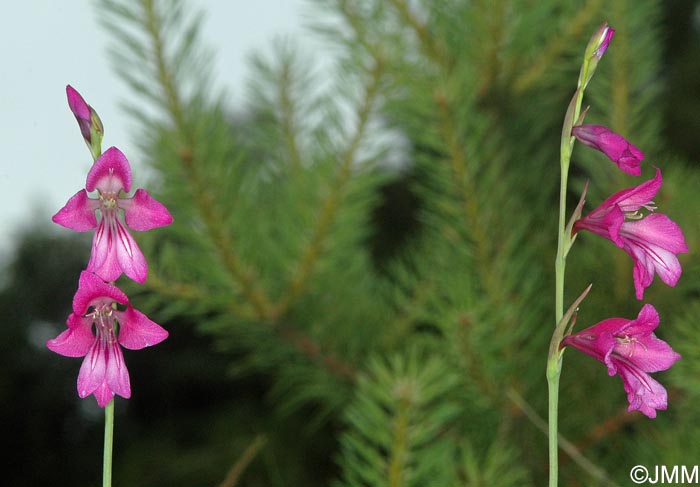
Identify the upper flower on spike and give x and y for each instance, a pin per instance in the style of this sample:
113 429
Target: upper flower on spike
113 248
96 330
88 121
613 145
653 241
630 349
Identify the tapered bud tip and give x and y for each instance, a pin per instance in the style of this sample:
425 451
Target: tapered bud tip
605 38
82 112
77 104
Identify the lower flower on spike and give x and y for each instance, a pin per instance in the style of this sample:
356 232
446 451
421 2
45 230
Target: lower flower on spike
630 349
97 331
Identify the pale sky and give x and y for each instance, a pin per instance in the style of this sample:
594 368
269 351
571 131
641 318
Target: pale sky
47 44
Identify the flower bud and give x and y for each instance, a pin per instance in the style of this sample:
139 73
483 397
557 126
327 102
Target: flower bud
594 51
89 122
615 146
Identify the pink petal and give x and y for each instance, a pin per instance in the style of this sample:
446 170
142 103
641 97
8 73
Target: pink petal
137 331
143 212
91 289
129 255
598 343
103 394
649 353
115 251
78 214
659 230
117 375
646 322
103 258
92 371
111 173
643 393
613 145
632 199
653 243
76 341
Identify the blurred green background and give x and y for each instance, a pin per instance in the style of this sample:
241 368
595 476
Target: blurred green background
358 283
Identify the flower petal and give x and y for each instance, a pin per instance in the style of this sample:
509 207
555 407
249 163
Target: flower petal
92 289
78 214
76 340
613 145
137 331
129 255
92 371
653 243
103 257
103 394
643 393
596 342
114 251
142 212
632 199
116 374
111 173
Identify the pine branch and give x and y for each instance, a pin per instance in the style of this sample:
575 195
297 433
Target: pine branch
564 444
288 111
556 46
201 196
428 42
330 206
237 469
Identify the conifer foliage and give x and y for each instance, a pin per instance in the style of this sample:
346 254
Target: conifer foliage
428 361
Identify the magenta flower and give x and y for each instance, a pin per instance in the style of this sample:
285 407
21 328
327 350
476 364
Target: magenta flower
113 248
630 349
104 372
613 145
653 241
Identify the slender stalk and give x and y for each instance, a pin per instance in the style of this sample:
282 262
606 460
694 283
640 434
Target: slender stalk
564 240
109 437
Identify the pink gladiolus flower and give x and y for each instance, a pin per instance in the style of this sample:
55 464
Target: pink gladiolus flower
104 372
613 145
113 248
653 241
630 349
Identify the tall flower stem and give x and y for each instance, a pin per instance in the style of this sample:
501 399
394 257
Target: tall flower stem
109 437
564 242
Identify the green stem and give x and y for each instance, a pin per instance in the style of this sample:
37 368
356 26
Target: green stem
554 361
109 437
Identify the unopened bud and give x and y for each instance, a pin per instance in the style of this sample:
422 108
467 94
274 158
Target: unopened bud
89 122
594 51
